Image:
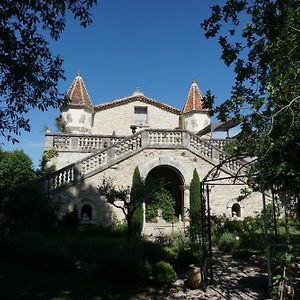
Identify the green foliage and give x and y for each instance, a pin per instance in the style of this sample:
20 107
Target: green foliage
29 70
189 252
228 242
164 273
161 200
137 201
281 260
260 39
61 124
48 155
195 208
26 207
231 147
15 169
114 194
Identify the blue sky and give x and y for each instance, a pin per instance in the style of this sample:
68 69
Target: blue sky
157 45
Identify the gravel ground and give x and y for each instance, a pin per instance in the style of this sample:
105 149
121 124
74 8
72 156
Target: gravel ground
233 279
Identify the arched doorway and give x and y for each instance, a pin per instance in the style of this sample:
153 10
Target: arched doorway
171 180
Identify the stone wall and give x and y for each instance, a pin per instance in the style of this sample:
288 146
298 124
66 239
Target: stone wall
221 197
118 120
196 121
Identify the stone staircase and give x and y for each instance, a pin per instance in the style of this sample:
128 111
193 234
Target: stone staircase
126 147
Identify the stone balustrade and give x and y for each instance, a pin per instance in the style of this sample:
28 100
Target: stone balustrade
116 150
89 143
219 143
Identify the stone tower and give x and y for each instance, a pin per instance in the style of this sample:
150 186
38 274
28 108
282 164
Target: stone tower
194 116
78 112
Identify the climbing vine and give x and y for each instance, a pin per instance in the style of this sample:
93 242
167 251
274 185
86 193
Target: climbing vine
48 155
164 201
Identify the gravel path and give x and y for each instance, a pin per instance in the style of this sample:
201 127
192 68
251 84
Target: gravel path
234 279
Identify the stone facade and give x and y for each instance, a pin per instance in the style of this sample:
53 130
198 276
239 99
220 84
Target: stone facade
164 142
123 117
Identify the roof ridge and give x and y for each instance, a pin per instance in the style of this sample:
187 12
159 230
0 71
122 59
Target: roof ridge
115 102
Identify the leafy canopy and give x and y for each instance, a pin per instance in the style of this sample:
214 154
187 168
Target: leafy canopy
15 169
260 39
29 72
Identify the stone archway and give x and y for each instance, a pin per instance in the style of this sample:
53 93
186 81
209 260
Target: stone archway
172 181
180 169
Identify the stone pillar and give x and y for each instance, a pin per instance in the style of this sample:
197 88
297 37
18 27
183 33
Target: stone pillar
186 139
74 144
49 140
216 155
145 139
186 202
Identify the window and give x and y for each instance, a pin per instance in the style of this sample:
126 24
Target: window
140 115
86 212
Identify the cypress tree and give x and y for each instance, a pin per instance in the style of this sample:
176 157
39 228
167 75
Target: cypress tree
195 207
136 199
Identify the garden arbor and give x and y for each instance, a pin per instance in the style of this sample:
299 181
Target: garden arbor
282 204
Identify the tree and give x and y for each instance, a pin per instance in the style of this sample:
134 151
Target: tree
135 197
29 71
261 40
15 169
120 198
27 207
23 204
195 207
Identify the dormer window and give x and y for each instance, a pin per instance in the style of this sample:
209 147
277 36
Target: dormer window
140 115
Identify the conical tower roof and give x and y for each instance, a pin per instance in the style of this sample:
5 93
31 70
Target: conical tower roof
194 99
77 93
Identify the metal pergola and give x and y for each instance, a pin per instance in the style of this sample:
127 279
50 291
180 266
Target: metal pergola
212 179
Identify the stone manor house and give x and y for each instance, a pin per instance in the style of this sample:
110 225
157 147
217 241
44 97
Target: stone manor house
110 139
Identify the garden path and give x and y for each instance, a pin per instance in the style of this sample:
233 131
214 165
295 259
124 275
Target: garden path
235 279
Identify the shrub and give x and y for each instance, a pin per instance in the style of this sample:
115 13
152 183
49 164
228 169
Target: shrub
195 208
135 197
164 273
162 200
228 242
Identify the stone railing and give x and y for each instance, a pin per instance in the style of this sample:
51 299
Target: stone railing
89 143
149 138
219 143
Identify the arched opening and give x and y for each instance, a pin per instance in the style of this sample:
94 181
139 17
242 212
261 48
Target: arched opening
236 210
166 183
86 212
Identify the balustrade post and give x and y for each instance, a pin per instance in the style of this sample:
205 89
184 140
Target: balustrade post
111 152
186 139
185 189
107 142
77 172
74 144
216 155
145 139
49 141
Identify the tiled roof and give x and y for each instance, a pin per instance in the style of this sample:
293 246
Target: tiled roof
77 93
136 97
194 100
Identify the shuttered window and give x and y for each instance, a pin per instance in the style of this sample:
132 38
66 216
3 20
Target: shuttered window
140 115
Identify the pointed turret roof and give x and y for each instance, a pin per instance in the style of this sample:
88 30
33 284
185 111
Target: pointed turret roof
194 100
77 93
